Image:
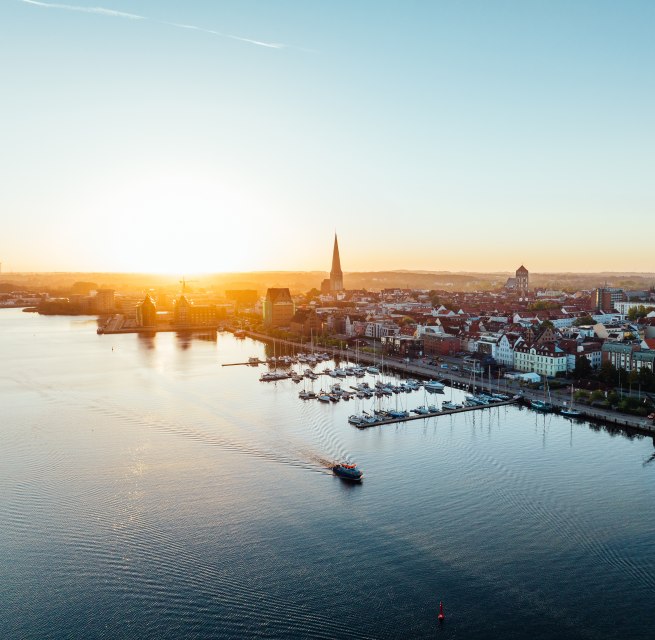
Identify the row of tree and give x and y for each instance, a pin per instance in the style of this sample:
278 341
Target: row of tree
609 375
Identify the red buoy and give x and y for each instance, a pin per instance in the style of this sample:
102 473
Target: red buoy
441 617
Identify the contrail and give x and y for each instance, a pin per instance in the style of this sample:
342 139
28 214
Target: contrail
98 10
270 45
133 16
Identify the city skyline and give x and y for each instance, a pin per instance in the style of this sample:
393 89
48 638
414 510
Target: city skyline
164 138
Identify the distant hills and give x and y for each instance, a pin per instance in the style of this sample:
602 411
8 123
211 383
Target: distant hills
302 281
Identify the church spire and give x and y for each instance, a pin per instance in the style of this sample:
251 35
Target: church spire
336 275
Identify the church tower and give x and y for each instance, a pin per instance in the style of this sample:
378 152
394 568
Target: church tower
522 281
336 275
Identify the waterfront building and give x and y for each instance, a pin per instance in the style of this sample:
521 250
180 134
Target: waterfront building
146 313
440 344
619 354
187 314
278 309
545 359
402 346
336 275
644 360
505 348
104 301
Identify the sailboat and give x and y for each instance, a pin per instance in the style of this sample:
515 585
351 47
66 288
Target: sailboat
570 412
543 405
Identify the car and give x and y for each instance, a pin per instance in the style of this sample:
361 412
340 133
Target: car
443 366
454 367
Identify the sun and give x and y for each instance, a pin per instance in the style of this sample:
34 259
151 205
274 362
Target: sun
181 223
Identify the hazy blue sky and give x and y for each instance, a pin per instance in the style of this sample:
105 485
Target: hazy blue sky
434 135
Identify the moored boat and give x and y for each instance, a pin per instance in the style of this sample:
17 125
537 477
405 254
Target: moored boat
433 385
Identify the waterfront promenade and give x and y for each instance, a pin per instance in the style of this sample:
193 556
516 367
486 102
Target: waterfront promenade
558 398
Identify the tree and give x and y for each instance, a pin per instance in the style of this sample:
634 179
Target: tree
542 305
583 320
312 294
635 313
608 373
434 298
646 379
583 368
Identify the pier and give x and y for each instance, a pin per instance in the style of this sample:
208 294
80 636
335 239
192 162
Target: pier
435 414
239 364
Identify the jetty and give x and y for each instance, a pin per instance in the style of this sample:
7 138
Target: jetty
434 414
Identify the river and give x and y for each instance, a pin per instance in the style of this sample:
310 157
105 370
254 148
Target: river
148 492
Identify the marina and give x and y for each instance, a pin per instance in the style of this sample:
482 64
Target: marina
459 380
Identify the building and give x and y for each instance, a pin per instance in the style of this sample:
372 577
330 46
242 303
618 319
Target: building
442 344
505 349
619 354
104 301
644 360
607 298
522 281
545 359
402 346
278 309
187 314
336 275
306 322
146 313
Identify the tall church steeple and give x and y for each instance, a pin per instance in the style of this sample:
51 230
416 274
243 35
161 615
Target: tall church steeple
336 275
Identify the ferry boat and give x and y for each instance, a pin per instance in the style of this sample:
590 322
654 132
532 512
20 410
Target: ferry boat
347 472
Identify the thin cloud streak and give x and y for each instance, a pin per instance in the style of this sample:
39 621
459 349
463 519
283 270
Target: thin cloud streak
270 45
134 16
96 10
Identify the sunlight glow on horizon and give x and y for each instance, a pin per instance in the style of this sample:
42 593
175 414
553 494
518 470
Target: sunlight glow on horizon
482 139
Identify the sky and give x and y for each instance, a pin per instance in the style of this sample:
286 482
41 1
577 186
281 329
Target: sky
208 136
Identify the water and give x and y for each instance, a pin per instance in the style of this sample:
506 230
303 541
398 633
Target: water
148 492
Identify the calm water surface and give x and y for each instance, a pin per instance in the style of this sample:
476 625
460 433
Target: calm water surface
148 492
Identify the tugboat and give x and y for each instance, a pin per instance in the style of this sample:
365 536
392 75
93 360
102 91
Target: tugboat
348 472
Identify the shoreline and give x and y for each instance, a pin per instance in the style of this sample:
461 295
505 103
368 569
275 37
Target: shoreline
604 416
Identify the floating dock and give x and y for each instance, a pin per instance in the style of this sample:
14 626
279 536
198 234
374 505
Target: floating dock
435 414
